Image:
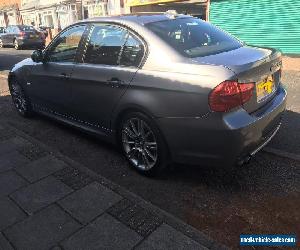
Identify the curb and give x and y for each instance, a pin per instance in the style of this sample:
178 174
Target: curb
168 218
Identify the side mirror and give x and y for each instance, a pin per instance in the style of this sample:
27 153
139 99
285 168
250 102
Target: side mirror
37 56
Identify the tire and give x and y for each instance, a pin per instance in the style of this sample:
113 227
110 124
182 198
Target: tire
16 45
20 99
142 144
1 44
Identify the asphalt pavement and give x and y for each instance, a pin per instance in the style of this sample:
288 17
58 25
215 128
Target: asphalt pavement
262 197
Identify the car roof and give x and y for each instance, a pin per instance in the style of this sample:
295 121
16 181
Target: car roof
140 18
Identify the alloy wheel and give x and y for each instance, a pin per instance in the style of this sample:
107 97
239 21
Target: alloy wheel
139 143
18 98
16 44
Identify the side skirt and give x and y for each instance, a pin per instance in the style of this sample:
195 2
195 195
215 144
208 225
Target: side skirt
96 130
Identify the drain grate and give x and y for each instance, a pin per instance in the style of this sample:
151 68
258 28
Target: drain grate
137 218
73 178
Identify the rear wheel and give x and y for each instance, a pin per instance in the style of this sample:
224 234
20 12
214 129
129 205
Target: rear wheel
1 44
20 100
143 144
16 44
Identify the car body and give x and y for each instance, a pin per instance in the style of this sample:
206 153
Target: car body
178 91
44 29
21 36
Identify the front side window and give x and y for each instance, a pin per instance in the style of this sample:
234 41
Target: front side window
192 37
104 45
65 47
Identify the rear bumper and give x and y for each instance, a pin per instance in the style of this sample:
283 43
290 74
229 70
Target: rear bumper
221 139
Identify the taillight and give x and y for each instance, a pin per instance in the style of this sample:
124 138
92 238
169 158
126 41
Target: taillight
22 33
230 94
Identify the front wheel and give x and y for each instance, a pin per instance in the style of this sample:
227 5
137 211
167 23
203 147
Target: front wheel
143 144
20 99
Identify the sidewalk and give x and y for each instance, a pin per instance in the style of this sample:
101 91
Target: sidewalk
48 201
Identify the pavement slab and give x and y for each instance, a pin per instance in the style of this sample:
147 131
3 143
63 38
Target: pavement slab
104 233
42 230
41 168
140 220
40 194
165 237
10 213
11 160
74 178
4 244
9 182
89 202
7 146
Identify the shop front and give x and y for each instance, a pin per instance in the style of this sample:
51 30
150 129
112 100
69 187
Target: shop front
94 8
269 23
197 8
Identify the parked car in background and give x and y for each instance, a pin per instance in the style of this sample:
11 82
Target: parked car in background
21 36
166 88
2 30
44 29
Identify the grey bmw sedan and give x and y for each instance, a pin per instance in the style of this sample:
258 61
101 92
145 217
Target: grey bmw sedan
164 87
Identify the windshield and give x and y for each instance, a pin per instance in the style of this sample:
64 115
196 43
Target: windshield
26 28
193 37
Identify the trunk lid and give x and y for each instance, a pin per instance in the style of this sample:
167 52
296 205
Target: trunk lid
251 64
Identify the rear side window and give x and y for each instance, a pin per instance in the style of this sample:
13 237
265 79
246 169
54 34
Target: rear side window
104 45
192 37
132 52
112 45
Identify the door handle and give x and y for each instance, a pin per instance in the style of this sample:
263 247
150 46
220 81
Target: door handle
114 82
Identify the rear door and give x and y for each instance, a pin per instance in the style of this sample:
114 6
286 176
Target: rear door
7 36
13 34
111 58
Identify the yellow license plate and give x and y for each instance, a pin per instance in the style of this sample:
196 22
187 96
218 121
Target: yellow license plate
264 88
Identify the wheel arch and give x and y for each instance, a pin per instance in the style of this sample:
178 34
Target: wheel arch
136 108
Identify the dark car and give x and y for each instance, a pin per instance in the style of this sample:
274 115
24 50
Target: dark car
2 30
166 88
44 30
21 36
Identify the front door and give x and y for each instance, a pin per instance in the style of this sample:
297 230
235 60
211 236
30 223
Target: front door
49 81
111 59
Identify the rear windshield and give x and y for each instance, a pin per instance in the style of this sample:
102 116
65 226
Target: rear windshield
2 30
26 28
193 37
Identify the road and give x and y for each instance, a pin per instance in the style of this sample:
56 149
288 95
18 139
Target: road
262 197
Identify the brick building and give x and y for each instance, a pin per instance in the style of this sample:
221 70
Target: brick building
9 12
